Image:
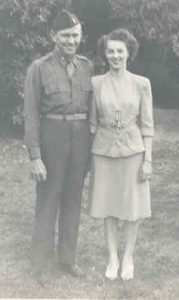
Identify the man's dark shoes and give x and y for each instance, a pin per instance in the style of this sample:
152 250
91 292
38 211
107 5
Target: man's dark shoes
42 275
74 270
39 278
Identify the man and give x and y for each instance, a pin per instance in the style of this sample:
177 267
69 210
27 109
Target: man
57 92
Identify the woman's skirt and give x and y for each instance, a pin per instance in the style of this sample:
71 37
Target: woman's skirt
116 189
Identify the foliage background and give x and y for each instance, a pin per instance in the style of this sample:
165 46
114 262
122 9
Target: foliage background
24 35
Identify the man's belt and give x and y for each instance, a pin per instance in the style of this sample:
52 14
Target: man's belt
67 117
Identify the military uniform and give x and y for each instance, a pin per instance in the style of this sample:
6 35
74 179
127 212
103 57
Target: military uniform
56 130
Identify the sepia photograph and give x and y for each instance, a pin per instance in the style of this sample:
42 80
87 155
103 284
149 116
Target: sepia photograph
89 149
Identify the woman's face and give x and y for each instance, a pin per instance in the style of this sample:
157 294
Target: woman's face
116 54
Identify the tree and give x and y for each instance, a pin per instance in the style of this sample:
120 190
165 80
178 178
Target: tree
24 33
156 20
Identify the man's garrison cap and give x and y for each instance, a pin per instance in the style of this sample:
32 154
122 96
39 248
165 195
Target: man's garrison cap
64 20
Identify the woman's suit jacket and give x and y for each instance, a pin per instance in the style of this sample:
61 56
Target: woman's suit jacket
121 114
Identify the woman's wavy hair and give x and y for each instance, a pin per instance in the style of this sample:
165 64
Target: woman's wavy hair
119 34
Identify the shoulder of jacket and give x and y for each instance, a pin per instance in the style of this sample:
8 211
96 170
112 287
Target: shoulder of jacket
84 59
39 61
142 81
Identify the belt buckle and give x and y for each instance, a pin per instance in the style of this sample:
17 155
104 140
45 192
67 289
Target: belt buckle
69 117
76 117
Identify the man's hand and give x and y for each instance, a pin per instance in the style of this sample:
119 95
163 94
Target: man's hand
146 170
38 170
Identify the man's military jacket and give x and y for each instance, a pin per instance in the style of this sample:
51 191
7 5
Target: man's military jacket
50 89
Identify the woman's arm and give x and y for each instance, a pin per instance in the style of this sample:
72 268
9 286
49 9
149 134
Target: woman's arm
147 140
147 129
146 169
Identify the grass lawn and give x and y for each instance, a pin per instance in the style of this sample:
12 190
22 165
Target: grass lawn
157 250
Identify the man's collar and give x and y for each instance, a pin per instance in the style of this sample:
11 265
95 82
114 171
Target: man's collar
62 59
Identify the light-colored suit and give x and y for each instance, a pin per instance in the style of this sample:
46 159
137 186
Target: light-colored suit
121 114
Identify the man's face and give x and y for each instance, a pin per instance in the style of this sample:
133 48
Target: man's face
68 40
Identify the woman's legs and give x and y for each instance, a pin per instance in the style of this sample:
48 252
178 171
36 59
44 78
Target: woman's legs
111 224
131 231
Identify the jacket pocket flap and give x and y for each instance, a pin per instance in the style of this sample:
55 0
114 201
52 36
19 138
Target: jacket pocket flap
52 88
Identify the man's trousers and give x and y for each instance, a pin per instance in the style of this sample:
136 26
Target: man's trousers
65 153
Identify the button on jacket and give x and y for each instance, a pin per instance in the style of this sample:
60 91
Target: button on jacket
52 86
121 114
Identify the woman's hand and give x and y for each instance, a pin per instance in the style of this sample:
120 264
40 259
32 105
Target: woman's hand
38 170
146 170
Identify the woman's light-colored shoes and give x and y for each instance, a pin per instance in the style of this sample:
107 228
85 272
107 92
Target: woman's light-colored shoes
127 272
112 271
127 269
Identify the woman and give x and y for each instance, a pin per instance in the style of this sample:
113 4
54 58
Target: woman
122 123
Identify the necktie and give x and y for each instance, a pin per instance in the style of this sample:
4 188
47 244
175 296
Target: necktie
70 68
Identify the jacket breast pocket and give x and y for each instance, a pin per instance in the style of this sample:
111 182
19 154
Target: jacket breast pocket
57 92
